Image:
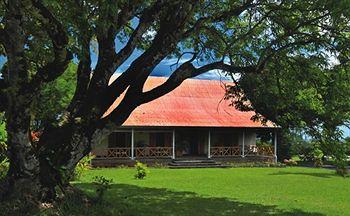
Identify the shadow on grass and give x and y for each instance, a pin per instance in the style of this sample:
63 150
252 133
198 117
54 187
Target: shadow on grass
123 199
319 175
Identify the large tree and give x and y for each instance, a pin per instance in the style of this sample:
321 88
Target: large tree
300 93
39 39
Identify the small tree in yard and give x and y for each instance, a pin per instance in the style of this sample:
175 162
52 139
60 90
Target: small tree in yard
39 39
141 170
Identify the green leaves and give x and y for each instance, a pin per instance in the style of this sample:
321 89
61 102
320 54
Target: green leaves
54 98
3 134
3 137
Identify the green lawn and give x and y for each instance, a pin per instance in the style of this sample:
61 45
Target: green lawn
235 191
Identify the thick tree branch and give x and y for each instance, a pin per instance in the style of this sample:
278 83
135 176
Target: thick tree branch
172 25
2 84
145 22
108 60
59 38
111 60
83 79
3 98
123 81
2 36
127 12
186 71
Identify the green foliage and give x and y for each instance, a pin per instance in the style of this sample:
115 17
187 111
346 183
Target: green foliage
304 96
310 95
302 148
83 165
102 185
341 153
141 170
261 143
342 167
54 98
4 166
290 162
3 137
317 157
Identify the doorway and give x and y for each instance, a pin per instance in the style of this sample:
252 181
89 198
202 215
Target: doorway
191 143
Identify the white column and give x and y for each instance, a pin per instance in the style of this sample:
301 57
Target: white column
243 143
173 144
209 156
275 145
132 143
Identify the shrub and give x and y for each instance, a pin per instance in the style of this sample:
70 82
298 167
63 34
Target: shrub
102 185
4 166
341 167
303 149
83 165
3 138
141 170
290 162
317 157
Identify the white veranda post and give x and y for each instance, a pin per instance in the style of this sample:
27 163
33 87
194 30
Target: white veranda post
243 144
173 156
275 145
209 146
132 143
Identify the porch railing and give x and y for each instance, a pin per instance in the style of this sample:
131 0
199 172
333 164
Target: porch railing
225 151
140 152
113 153
259 150
153 152
166 152
252 150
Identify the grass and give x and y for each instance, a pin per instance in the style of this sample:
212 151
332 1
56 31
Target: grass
239 191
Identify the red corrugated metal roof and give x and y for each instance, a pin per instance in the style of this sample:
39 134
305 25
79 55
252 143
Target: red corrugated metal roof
195 103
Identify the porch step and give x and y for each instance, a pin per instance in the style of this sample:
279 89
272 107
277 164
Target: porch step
195 163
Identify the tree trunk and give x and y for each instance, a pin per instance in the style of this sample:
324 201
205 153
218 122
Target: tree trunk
60 150
37 171
22 178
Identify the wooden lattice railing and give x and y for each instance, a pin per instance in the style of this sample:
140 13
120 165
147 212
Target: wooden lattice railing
266 150
225 151
259 150
153 152
166 152
113 153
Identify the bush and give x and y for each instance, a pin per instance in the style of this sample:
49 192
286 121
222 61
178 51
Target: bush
83 165
3 138
141 170
303 149
103 185
4 166
341 167
290 162
317 157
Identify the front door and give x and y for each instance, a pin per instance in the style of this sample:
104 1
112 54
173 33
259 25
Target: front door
190 143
